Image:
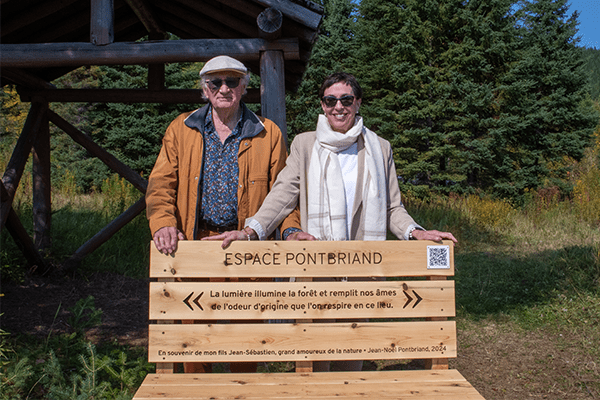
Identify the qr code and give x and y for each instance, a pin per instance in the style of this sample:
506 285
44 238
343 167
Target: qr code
438 257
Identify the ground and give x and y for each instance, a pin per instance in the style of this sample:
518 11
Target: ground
499 359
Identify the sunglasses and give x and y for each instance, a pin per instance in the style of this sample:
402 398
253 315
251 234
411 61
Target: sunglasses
331 101
231 83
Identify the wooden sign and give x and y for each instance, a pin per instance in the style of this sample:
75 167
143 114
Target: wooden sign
311 259
295 300
301 342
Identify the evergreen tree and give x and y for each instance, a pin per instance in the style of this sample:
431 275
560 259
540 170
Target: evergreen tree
548 120
470 96
134 132
592 67
331 53
429 68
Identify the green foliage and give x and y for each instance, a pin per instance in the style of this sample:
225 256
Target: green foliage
133 132
473 95
67 366
84 315
331 53
592 68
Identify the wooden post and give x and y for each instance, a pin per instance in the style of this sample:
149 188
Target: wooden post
272 89
102 29
21 237
156 72
272 72
41 186
16 164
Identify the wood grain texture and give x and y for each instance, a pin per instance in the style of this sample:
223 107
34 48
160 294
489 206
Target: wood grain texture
295 259
301 342
423 385
297 300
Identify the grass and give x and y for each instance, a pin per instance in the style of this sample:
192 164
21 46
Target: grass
524 273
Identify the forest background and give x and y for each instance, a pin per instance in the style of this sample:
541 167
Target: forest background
491 107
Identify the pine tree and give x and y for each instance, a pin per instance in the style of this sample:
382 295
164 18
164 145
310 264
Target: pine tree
548 121
473 95
134 132
429 69
331 53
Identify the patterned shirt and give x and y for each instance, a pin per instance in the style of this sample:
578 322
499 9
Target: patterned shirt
220 175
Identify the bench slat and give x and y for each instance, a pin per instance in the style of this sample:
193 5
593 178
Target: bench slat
301 342
296 259
293 300
432 385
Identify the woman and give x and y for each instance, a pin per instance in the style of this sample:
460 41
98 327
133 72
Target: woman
343 178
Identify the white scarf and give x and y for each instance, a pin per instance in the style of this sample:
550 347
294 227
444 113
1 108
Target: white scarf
326 195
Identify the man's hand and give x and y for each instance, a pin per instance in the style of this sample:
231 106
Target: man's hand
301 236
436 236
166 238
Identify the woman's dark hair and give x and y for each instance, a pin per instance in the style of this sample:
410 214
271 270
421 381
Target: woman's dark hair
345 77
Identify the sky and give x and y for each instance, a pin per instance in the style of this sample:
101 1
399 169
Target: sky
589 21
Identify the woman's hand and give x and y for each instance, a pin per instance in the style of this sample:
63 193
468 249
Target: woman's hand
300 236
436 236
231 236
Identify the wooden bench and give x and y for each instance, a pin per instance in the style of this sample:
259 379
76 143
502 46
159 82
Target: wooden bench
408 319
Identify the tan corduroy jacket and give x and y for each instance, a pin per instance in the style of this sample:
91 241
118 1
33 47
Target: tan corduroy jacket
173 186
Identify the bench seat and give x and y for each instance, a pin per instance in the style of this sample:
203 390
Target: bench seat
421 384
303 302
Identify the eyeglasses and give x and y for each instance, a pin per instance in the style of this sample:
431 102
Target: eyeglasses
216 83
331 101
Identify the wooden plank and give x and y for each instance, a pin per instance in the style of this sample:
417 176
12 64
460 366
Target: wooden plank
301 342
47 55
424 385
204 259
297 300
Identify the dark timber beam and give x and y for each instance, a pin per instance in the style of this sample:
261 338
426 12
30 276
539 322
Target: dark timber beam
20 235
42 211
145 14
102 22
105 234
133 53
166 96
295 12
18 159
272 66
24 78
97 151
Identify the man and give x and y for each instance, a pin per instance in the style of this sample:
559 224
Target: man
215 168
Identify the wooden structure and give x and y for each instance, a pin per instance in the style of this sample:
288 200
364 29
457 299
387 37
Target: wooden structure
43 40
408 319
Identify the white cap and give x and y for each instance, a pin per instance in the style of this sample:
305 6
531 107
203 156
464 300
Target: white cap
223 64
